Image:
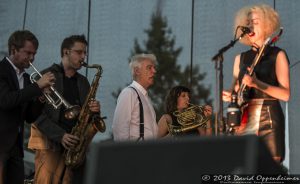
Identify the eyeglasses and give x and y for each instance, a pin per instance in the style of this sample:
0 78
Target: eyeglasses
79 52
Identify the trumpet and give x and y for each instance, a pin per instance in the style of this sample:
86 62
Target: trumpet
71 112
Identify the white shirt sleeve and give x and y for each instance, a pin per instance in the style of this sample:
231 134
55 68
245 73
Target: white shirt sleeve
122 115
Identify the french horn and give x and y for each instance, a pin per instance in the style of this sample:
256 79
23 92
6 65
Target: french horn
190 118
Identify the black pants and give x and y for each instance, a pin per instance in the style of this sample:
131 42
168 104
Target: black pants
12 167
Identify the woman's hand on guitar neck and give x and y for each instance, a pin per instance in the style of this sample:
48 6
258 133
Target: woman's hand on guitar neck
250 81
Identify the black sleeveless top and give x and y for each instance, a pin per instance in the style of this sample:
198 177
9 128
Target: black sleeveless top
188 133
264 70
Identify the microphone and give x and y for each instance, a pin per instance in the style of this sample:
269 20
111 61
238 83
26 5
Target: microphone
246 30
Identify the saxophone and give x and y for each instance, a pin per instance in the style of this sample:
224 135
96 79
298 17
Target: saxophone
191 118
87 126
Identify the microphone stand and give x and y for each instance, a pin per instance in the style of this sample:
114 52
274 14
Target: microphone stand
220 126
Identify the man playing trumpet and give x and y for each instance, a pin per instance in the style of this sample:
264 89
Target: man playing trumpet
18 97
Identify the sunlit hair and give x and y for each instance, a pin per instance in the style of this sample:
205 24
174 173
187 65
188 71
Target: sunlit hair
269 20
69 42
18 38
172 97
137 59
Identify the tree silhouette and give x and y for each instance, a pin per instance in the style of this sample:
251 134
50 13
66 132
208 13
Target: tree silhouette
161 43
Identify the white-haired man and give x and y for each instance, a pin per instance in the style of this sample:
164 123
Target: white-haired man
134 117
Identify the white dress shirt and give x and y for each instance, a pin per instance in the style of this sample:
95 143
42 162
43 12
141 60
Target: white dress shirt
126 122
18 73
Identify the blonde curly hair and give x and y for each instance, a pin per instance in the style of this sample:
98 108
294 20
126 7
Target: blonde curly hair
269 19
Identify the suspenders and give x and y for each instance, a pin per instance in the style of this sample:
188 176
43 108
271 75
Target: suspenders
141 116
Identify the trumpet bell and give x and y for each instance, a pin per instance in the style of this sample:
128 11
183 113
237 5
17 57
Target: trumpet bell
72 112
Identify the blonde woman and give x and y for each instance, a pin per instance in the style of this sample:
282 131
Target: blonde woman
269 83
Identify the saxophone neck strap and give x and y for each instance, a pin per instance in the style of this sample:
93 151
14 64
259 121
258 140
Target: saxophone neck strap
141 115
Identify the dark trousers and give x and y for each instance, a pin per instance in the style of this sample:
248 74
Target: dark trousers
12 167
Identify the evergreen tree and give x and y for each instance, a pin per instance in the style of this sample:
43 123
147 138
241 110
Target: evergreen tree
161 43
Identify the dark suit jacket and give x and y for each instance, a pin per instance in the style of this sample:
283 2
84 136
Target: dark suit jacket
16 106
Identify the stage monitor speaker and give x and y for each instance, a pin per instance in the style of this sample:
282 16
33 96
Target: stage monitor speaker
175 161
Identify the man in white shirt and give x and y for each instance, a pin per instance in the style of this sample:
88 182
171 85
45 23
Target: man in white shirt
129 123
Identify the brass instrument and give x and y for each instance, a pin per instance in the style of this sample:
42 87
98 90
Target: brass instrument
190 118
56 100
87 126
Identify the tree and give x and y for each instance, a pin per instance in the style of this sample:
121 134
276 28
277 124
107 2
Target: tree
161 43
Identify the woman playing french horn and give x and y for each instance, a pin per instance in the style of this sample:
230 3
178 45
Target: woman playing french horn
177 106
262 114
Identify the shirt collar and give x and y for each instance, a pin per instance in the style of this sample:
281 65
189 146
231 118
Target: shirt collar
17 70
139 87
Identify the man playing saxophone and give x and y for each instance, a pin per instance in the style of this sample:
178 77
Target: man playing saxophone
51 133
183 118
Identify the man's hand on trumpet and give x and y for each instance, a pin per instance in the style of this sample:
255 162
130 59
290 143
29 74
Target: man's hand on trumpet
46 80
44 83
